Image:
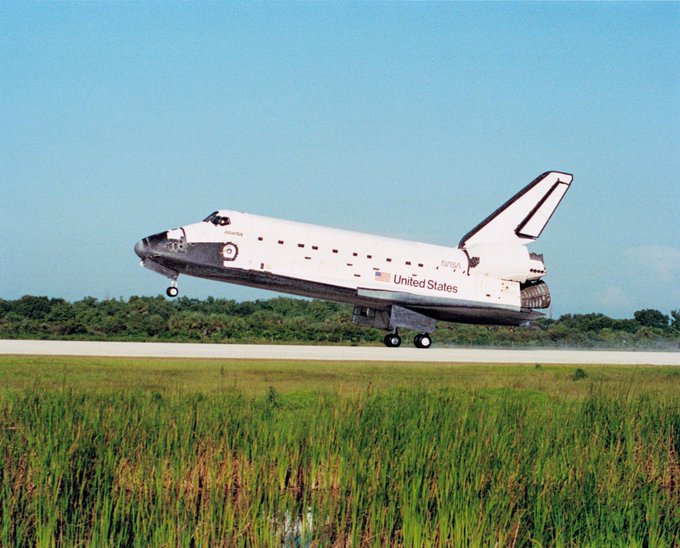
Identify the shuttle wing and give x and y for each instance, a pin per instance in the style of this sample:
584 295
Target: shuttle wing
523 217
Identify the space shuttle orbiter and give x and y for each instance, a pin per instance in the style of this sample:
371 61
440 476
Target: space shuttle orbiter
490 277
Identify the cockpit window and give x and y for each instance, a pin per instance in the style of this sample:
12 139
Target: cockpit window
217 219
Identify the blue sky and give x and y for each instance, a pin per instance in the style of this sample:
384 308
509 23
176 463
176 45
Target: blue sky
414 120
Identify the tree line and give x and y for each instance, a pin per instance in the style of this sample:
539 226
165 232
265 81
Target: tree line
288 320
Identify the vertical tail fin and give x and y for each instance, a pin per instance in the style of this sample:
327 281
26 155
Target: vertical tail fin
523 217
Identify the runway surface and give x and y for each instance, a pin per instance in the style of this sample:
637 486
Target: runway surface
335 353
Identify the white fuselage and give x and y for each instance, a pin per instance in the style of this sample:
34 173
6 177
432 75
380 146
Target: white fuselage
490 277
350 260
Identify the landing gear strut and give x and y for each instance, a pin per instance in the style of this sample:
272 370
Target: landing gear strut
392 340
172 291
422 341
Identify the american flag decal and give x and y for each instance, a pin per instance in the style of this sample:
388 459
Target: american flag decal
383 277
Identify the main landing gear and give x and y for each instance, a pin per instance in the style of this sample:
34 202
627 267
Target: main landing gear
423 341
393 340
172 291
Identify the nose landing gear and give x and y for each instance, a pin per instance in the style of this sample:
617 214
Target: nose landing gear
172 291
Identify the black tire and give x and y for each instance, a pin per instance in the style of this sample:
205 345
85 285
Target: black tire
172 292
423 341
392 340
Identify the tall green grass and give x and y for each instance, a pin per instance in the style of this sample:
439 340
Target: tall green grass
407 466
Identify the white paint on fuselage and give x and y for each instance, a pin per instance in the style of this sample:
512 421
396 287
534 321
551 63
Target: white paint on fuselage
175 234
353 260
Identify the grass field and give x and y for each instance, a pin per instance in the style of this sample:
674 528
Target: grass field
207 452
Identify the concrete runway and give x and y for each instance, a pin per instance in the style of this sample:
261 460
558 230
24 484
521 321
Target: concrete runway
335 353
